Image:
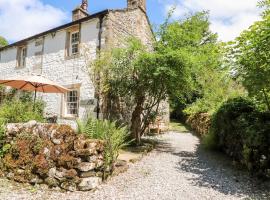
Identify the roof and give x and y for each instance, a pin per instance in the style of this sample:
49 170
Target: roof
99 14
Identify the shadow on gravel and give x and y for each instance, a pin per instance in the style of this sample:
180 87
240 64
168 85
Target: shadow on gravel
214 170
164 147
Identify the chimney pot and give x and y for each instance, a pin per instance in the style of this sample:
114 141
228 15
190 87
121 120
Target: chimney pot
84 5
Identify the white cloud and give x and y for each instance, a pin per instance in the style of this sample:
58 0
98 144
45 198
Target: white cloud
23 18
228 17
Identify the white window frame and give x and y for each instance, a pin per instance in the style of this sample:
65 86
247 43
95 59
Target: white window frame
73 43
66 113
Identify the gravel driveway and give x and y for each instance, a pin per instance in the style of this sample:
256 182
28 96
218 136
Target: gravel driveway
178 169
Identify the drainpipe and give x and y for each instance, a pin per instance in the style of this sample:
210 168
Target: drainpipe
98 76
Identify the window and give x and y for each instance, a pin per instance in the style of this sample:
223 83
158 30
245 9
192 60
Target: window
72 103
38 50
21 56
74 43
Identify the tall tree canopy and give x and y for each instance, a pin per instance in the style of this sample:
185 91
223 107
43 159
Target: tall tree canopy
252 56
211 83
3 42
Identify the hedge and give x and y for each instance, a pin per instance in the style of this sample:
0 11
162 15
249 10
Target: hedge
243 132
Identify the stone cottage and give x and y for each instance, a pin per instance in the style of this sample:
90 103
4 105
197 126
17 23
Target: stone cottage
63 54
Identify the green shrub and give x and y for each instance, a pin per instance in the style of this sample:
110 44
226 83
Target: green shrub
243 132
210 141
114 137
16 111
4 150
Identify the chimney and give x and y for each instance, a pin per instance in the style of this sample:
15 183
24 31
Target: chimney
80 11
132 4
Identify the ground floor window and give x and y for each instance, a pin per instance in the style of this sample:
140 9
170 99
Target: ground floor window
72 103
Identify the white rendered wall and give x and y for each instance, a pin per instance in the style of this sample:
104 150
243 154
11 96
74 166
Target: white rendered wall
56 67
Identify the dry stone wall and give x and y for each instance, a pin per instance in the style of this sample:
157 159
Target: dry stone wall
54 155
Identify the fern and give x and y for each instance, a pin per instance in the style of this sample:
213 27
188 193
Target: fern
114 137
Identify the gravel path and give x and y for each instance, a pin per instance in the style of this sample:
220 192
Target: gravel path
179 169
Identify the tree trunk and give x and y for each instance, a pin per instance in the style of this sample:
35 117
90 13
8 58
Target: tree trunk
136 119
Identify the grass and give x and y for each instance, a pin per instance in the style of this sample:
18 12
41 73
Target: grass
178 126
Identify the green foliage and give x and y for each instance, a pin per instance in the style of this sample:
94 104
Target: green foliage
252 58
3 42
4 150
198 48
210 141
210 82
17 111
239 129
216 87
114 136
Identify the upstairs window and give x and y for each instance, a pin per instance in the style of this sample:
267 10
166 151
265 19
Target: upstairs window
74 43
73 40
21 56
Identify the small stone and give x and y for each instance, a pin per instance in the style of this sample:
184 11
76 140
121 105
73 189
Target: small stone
36 180
20 171
86 152
52 172
56 141
92 144
10 175
79 144
59 175
99 163
88 174
12 129
69 186
86 166
93 158
31 124
51 182
72 173
53 133
89 183
47 152
99 174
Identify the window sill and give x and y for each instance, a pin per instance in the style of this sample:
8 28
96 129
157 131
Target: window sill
19 67
70 117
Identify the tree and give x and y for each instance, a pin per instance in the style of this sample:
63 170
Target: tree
252 57
194 37
142 80
3 42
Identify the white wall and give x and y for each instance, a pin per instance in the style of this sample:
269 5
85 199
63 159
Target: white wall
58 68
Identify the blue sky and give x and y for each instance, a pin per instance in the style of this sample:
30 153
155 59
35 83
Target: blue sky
23 18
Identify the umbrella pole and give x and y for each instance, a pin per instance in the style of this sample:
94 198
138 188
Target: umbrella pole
34 107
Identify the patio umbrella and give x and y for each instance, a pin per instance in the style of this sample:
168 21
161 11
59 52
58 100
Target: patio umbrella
34 83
